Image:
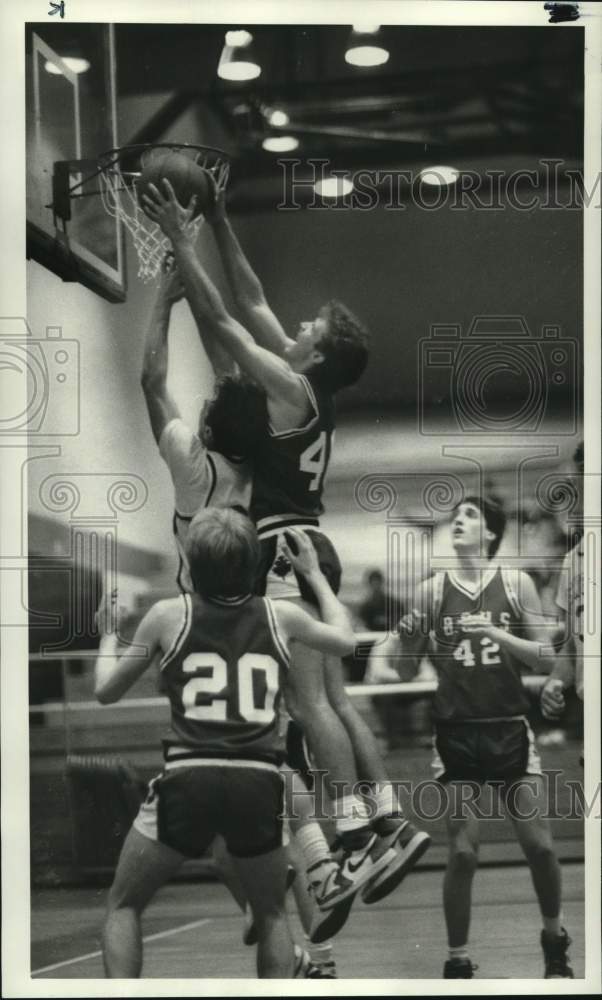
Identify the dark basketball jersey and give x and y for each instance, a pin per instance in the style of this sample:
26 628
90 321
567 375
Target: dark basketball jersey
477 678
290 467
223 676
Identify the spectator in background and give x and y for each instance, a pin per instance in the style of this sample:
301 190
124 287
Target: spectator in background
379 611
570 600
406 715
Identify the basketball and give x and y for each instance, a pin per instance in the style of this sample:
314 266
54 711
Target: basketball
185 176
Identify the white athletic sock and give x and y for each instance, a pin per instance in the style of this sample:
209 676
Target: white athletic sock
351 814
385 800
553 925
313 844
461 952
318 953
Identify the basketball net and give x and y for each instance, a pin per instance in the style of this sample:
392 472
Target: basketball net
120 199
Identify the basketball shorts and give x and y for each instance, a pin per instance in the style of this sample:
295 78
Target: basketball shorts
502 750
277 578
187 806
298 756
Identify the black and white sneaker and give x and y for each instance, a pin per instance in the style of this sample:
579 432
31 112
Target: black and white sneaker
459 968
334 886
409 845
322 970
556 960
302 963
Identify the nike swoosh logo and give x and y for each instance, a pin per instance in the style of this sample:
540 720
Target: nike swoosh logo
354 867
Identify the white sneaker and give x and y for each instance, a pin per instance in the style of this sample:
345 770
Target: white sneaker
302 963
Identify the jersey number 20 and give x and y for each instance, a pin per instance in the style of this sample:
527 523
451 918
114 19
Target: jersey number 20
256 672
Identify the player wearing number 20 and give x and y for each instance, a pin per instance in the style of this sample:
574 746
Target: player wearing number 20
224 656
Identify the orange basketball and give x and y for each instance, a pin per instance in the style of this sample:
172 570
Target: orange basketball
185 176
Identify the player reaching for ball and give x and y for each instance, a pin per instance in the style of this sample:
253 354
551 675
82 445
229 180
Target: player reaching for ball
484 624
300 378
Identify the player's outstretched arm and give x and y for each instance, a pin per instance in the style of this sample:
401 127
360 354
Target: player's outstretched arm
334 634
160 404
535 650
247 290
115 674
207 305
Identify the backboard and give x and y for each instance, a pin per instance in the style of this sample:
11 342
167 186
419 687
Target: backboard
71 115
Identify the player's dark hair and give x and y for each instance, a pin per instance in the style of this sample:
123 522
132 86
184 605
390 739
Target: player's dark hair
495 519
344 346
223 553
328 562
237 416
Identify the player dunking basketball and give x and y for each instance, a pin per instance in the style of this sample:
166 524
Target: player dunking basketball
485 624
300 378
224 655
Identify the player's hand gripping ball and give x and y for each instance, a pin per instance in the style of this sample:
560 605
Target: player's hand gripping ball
186 177
301 553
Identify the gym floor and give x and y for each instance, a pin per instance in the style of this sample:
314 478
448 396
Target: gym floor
194 931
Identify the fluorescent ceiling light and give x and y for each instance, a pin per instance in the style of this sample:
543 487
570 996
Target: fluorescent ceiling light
75 64
439 176
334 187
280 143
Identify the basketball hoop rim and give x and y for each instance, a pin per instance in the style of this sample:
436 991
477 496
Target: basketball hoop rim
118 152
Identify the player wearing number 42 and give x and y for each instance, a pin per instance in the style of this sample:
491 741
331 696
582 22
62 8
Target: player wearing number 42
480 624
224 656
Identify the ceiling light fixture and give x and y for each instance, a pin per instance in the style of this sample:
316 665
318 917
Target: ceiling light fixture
439 176
278 118
333 187
237 61
74 63
280 143
364 47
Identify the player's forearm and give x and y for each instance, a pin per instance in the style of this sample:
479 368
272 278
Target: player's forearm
246 286
203 297
332 611
538 656
114 675
564 665
155 359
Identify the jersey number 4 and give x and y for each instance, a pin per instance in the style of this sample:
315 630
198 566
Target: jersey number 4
257 676
313 460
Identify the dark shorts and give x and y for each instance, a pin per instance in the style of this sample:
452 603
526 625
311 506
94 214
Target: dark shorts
485 751
297 753
276 577
187 806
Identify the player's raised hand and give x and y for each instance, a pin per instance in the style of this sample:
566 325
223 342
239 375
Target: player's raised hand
300 552
163 207
411 623
216 209
552 699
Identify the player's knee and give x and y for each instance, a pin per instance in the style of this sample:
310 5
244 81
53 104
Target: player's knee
121 897
539 851
463 858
